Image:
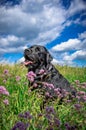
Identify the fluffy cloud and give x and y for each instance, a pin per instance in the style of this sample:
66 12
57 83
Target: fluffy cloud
11 43
37 22
77 46
71 44
79 55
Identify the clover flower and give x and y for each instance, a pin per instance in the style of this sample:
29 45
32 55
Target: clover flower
77 106
67 126
26 115
57 91
81 93
84 98
35 85
47 94
50 86
31 75
6 71
20 126
57 122
6 102
4 81
42 71
3 90
18 78
50 109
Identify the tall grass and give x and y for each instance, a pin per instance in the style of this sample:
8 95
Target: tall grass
23 108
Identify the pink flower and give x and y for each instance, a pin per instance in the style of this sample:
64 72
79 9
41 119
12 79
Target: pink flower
77 106
50 86
77 81
18 78
4 80
81 93
31 75
3 90
6 71
47 94
57 90
35 85
6 102
42 71
84 98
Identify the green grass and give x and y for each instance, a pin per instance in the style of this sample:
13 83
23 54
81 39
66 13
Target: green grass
21 100
73 73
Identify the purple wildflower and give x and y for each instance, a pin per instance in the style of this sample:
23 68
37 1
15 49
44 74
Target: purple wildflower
18 78
57 122
35 85
26 115
6 102
40 115
6 71
42 71
84 98
68 127
4 81
77 106
57 91
50 86
81 93
77 81
20 126
50 109
3 90
31 75
47 94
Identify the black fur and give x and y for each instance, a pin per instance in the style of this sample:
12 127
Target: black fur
41 59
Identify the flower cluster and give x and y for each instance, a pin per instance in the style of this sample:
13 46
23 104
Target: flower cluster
26 115
20 126
47 85
51 116
18 78
3 90
6 71
30 76
42 71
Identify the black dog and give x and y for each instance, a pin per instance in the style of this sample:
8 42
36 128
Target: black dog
48 78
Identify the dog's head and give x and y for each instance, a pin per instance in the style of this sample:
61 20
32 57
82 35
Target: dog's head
37 55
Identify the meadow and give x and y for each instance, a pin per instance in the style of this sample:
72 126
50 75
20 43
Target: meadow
20 107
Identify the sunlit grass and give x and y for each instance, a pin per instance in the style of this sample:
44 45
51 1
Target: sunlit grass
65 116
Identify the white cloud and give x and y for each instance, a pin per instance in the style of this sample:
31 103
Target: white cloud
71 44
80 55
12 43
82 35
76 6
37 22
77 47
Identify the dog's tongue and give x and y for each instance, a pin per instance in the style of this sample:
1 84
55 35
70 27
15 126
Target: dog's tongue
28 62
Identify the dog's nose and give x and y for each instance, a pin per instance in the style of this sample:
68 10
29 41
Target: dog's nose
27 50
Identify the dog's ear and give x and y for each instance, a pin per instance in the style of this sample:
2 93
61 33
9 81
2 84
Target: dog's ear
49 58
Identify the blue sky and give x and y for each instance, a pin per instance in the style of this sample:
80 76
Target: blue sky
59 25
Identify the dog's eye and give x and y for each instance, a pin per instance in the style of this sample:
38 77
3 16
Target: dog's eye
37 49
39 54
